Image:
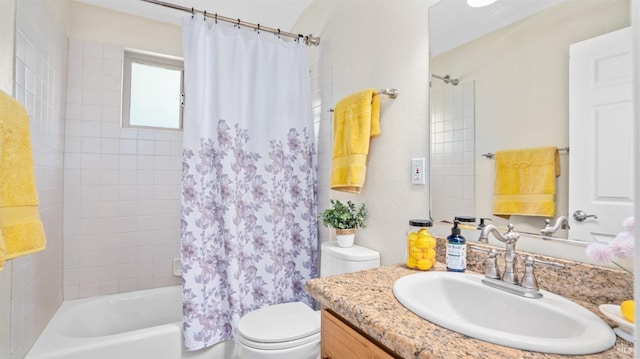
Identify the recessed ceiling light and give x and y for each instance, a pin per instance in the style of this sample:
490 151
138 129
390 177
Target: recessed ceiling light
480 3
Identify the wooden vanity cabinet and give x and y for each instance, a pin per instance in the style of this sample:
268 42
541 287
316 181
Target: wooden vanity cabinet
340 340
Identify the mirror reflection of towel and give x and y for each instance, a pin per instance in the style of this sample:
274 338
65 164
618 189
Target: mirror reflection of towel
525 182
356 119
21 230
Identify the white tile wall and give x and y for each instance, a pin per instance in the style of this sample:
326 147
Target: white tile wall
122 185
40 85
453 151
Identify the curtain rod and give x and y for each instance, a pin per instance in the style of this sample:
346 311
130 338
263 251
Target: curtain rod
308 40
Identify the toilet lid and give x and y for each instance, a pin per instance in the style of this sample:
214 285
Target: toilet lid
355 253
279 323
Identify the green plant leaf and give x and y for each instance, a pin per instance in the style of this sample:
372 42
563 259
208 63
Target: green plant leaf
341 216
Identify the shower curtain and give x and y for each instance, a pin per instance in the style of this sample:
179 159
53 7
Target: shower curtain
249 217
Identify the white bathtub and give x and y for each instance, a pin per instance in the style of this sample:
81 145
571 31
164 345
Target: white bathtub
134 325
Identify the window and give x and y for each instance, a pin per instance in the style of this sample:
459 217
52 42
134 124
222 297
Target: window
152 91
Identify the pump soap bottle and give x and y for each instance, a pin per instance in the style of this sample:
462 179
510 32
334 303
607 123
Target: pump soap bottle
456 250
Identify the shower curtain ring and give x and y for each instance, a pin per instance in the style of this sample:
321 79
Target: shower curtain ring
238 24
216 18
205 16
258 28
192 12
278 33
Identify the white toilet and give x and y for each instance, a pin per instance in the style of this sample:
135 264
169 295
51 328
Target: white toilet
292 330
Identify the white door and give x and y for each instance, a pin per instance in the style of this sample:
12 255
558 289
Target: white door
601 135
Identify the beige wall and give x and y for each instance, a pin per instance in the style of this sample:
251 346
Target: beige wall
521 76
88 22
378 44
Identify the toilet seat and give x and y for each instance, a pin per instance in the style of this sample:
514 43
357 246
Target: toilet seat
279 326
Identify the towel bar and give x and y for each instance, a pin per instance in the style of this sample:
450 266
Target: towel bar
392 93
490 155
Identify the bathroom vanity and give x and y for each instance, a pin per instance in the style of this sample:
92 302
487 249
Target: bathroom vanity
339 339
361 315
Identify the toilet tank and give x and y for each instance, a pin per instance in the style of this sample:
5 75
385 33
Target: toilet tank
338 260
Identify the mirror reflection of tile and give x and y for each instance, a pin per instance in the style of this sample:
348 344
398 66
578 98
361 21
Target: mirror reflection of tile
452 151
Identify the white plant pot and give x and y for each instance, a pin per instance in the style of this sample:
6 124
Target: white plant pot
345 237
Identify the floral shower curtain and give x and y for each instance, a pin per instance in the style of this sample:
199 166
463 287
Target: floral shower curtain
249 218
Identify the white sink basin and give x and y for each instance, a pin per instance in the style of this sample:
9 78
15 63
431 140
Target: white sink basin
462 303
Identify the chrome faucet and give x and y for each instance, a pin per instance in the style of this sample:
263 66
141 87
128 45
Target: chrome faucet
528 287
548 230
509 238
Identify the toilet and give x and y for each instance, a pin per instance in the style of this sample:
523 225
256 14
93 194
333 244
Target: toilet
292 330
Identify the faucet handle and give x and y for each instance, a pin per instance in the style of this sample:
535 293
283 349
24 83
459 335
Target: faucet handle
529 278
491 262
548 229
510 235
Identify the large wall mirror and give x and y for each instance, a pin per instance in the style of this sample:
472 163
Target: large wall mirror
506 89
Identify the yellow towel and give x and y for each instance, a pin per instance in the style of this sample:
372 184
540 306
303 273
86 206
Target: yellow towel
21 230
356 119
525 182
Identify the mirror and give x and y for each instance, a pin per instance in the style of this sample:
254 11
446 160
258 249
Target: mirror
513 87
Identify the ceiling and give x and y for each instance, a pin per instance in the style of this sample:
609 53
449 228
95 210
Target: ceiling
451 22
281 14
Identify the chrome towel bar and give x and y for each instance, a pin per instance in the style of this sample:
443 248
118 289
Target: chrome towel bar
490 155
392 93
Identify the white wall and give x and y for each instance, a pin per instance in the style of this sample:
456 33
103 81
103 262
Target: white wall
380 44
122 185
7 80
40 82
7 37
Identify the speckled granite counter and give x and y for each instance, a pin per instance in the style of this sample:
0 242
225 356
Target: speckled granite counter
366 300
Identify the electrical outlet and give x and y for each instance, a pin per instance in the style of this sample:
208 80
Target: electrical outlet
417 170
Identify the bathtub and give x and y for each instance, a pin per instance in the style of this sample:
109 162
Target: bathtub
134 325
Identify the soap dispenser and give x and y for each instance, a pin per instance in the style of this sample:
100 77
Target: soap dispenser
456 250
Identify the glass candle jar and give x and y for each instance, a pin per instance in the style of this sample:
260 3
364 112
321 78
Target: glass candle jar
421 246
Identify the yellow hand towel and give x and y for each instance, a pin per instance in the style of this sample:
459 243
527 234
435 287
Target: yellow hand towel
356 119
525 182
21 230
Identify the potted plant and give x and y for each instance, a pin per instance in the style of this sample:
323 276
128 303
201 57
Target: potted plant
345 219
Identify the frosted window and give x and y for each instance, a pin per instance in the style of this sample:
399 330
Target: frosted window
155 96
152 93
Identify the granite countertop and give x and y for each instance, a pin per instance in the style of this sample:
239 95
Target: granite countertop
366 300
